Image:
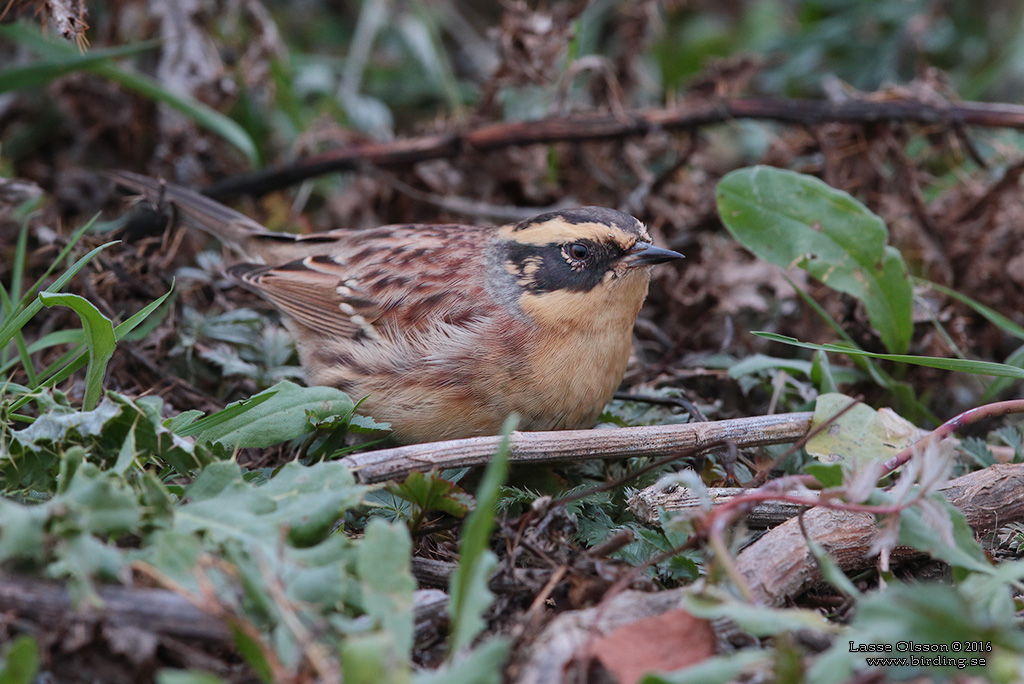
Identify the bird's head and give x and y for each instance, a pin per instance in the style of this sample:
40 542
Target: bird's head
579 263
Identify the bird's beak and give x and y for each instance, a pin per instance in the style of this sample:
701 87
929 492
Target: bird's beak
646 254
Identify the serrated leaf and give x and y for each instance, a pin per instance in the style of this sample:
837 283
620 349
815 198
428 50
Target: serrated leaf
791 219
81 559
367 425
102 503
918 531
305 500
63 425
429 492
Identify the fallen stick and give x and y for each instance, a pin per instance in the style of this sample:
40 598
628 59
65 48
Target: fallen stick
648 503
579 445
779 567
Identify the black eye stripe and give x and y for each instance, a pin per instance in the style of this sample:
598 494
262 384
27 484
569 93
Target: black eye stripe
575 266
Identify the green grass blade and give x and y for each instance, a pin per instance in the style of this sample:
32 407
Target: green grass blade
56 52
70 362
30 295
54 339
18 267
137 318
205 116
470 596
224 415
99 336
991 315
16 323
959 365
19 341
1000 385
40 73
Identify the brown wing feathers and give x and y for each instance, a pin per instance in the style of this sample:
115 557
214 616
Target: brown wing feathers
309 296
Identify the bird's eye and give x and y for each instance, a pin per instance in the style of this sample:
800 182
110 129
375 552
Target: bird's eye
579 251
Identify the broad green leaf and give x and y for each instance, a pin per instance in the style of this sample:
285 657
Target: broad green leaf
715 604
959 365
187 677
276 415
370 659
468 586
99 337
855 432
790 219
387 583
483 665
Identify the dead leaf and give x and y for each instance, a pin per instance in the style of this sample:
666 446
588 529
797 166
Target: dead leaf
662 643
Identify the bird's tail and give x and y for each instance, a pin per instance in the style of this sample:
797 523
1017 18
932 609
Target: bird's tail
235 230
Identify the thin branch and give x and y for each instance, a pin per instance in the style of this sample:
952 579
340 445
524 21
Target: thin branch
687 115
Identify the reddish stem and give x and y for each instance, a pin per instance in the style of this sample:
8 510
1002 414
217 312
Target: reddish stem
1000 408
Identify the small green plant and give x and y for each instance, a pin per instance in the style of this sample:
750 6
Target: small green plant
791 219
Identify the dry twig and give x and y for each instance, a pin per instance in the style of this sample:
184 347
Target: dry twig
686 115
575 445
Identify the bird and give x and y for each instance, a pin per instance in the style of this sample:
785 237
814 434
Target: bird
446 330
